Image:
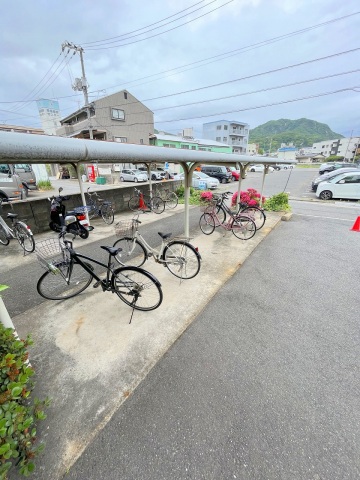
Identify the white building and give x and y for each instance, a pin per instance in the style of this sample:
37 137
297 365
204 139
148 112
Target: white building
343 147
49 112
230 132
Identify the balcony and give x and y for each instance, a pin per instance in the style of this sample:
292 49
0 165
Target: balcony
71 130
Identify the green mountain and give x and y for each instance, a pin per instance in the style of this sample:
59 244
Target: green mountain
302 133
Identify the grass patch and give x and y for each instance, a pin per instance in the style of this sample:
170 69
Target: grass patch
44 185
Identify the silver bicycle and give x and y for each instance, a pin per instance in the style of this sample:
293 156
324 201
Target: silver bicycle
18 230
180 257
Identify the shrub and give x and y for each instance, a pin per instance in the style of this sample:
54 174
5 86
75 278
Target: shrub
250 197
44 185
206 196
278 203
17 414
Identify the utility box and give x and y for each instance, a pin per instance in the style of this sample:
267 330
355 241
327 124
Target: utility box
100 180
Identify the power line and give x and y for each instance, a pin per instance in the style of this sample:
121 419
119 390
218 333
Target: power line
152 24
161 33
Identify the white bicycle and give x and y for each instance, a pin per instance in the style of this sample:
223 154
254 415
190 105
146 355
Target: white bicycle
180 257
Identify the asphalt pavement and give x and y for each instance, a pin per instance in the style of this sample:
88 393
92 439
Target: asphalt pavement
87 357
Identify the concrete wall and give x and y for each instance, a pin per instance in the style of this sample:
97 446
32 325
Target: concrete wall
36 212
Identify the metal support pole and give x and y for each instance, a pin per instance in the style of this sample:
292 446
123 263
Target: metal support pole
266 168
83 199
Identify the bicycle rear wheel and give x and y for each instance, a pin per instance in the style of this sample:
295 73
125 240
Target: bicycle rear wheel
171 200
132 253
69 282
3 237
107 214
243 227
24 237
157 205
182 259
137 288
256 214
207 223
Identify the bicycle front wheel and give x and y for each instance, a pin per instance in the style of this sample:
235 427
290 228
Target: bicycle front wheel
207 223
157 205
107 214
221 215
24 237
137 288
243 227
134 203
182 259
256 214
3 237
92 210
69 282
132 253
171 200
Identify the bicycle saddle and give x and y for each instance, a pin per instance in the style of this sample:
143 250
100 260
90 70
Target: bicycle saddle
112 250
11 215
164 236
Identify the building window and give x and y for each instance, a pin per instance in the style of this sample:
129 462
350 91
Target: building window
141 141
218 127
218 139
224 139
120 139
166 145
202 148
117 114
125 95
193 148
185 146
225 127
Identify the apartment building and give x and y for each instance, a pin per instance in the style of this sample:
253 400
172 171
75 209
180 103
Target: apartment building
162 139
230 132
119 117
343 147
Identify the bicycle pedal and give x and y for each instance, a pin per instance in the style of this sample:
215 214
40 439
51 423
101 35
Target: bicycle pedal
97 284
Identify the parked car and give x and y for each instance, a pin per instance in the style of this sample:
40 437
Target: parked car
259 168
129 175
282 166
201 180
329 167
218 172
155 174
168 172
327 176
235 173
346 185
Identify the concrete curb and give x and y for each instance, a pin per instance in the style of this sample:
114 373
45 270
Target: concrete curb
89 359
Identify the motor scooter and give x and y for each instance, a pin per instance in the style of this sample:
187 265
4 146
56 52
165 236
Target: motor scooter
75 221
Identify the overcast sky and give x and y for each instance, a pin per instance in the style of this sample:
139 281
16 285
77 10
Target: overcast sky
189 61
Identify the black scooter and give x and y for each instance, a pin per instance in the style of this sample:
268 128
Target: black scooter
75 221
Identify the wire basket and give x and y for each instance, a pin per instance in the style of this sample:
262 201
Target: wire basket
125 228
82 209
208 207
50 252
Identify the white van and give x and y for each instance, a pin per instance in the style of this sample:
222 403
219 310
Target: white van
11 187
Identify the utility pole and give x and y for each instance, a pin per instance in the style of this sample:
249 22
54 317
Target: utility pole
81 83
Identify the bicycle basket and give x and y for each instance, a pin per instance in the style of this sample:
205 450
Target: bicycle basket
125 228
82 209
208 207
49 252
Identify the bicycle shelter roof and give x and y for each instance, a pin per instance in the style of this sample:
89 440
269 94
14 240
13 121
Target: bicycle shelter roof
28 148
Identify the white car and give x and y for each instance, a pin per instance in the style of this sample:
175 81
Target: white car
346 185
201 180
155 174
259 168
129 175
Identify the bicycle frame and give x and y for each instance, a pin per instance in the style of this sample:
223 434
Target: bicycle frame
150 251
78 256
9 231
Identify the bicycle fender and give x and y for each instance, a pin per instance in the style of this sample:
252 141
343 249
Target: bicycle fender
141 270
27 228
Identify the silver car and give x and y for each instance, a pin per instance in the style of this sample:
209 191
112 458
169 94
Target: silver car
201 180
131 175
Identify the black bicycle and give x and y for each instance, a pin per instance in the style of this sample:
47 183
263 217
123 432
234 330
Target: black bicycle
97 207
68 275
256 214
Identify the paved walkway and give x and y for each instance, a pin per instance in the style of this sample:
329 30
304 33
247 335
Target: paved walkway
89 359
